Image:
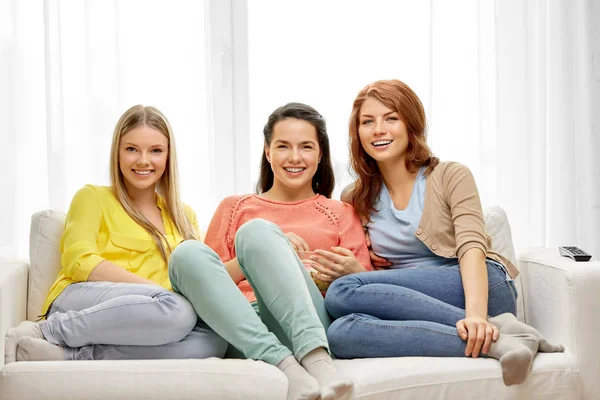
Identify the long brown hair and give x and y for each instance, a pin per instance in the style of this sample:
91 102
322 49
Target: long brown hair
168 185
397 96
324 181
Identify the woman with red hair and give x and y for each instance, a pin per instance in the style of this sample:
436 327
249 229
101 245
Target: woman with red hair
441 279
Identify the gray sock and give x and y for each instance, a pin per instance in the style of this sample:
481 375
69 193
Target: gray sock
515 353
318 363
24 329
508 323
31 349
302 386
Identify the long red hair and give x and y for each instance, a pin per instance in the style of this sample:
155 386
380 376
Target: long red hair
399 97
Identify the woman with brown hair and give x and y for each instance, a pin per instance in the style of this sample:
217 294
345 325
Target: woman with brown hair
425 222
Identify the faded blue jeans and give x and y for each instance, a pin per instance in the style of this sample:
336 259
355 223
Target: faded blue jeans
407 312
120 321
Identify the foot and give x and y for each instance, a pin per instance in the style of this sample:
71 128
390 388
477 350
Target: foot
24 329
31 349
333 385
302 386
515 353
508 323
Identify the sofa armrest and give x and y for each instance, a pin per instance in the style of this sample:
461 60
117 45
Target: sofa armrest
561 301
13 297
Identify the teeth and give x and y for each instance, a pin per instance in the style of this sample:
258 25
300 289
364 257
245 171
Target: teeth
381 142
142 172
294 170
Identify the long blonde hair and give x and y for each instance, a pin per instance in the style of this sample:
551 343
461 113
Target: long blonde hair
168 185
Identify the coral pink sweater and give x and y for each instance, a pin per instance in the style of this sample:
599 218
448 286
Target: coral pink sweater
323 223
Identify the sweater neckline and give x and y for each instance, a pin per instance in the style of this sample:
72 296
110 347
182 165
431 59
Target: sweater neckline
286 203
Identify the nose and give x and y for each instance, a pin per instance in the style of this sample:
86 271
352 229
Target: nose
379 127
143 159
294 156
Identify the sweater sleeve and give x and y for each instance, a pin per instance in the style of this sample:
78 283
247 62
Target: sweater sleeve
79 242
465 209
219 236
352 236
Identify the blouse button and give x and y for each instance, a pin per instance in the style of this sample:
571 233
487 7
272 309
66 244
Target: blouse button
419 231
434 246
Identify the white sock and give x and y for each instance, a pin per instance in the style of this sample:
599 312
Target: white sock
508 323
24 329
302 386
515 353
318 363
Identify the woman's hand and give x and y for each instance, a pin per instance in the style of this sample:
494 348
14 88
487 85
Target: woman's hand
297 242
478 333
378 262
335 263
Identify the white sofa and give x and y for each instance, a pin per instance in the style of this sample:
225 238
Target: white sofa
557 296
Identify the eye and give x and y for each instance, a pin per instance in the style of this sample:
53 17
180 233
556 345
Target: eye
308 146
129 148
157 151
367 121
392 119
282 146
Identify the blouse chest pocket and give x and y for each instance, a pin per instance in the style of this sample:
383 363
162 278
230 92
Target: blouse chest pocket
130 251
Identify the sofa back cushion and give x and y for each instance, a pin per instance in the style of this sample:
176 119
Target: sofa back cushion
47 228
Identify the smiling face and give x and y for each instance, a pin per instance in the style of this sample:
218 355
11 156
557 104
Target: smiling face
294 155
382 133
143 156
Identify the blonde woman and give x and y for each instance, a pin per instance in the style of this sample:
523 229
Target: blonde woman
113 299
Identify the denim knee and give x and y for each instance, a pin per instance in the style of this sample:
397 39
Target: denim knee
339 337
180 316
253 232
338 296
188 258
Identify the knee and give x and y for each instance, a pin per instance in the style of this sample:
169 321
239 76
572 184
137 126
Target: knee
339 294
190 257
339 337
180 316
254 231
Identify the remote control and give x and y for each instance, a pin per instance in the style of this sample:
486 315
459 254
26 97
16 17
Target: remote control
574 252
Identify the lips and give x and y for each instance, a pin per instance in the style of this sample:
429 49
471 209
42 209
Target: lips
381 143
294 170
142 172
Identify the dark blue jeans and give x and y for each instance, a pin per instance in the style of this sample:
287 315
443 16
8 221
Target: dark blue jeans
407 312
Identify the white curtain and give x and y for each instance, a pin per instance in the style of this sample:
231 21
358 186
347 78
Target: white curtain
506 85
548 174
68 70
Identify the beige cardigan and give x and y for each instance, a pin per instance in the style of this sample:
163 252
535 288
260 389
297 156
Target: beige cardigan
452 220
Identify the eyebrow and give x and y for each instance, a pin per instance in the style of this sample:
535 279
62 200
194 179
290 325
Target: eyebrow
286 142
385 115
136 145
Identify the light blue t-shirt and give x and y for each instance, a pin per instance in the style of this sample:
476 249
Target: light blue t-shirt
392 231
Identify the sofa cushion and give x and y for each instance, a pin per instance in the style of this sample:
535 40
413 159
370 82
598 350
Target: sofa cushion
498 228
552 378
47 228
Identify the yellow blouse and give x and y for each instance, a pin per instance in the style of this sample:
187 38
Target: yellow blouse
97 228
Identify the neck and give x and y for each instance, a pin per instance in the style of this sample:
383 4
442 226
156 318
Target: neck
141 198
283 193
395 175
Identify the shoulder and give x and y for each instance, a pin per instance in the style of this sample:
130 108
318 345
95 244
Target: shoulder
337 207
92 194
449 171
231 204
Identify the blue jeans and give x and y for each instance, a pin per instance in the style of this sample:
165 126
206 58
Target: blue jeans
407 312
120 321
